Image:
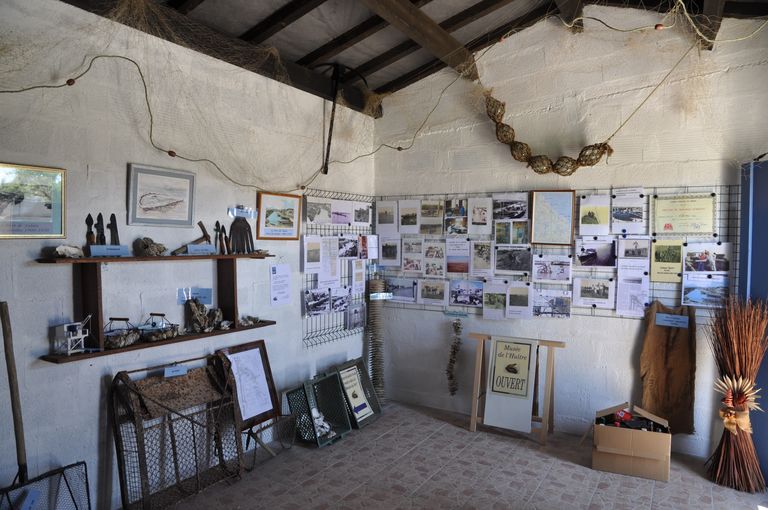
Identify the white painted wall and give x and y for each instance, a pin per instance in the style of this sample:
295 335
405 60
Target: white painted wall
261 131
564 91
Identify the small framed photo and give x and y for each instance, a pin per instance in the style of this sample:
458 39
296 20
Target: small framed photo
552 217
31 201
160 196
279 216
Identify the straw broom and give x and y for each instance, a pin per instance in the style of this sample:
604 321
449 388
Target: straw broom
739 342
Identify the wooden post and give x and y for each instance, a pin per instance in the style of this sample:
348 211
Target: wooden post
13 386
479 357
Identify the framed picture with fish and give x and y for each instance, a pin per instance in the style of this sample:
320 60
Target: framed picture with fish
160 196
279 216
31 201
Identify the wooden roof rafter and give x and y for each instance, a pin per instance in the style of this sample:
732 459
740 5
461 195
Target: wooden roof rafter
349 38
419 27
280 19
473 13
475 45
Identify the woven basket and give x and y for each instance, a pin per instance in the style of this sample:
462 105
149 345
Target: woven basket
521 151
540 164
591 154
565 165
505 133
494 108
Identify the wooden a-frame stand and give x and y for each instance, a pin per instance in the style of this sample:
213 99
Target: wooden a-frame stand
478 394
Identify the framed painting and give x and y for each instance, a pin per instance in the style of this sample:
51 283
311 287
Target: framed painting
279 216
552 217
32 200
160 196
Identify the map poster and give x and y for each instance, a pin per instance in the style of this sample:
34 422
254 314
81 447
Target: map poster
552 217
511 368
684 214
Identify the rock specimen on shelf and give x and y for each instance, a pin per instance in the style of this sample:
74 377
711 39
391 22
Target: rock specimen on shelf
200 319
69 252
146 247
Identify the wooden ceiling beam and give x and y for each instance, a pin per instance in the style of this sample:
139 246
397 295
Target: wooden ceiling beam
184 6
709 21
475 45
455 22
280 19
349 38
570 10
419 27
203 39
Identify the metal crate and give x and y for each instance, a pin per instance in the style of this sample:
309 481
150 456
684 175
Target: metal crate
324 393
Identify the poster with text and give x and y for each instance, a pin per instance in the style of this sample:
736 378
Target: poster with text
509 393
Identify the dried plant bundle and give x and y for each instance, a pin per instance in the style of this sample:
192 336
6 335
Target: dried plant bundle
739 342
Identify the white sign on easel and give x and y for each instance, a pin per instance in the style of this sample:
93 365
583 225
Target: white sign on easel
509 393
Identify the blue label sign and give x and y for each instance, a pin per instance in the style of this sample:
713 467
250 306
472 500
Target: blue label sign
109 250
201 249
202 294
174 371
672 321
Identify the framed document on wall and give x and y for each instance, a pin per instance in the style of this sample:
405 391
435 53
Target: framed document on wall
552 215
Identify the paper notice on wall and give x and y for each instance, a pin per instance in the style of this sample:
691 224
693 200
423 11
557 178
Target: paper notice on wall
357 270
519 300
632 294
311 260
594 215
629 211
480 216
457 255
280 284
328 276
253 395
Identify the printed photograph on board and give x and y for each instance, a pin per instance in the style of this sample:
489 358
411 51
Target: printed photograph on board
705 290
708 257
634 248
511 206
512 259
318 210
553 303
466 293
595 253
317 301
402 289
431 217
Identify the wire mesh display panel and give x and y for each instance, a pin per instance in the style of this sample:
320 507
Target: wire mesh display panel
64 488
323 393
173 437
727 200
329 327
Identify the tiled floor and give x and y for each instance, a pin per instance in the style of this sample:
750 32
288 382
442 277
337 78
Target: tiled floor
414 458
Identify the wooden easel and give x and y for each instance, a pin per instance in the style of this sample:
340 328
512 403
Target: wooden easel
547 417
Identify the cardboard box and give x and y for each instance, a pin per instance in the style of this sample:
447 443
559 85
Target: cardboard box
632 452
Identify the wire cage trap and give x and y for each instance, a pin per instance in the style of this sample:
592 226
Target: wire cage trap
173 436
323 394
65 488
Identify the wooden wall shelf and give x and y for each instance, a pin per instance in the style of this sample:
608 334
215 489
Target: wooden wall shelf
63 358
169 258
88 298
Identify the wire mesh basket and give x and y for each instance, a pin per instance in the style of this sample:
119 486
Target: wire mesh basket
269 439
324 395
65 488
173 436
